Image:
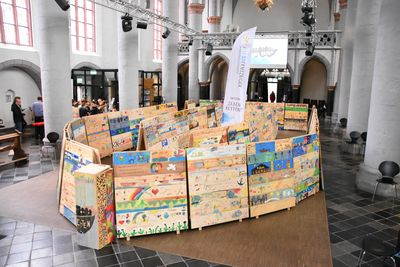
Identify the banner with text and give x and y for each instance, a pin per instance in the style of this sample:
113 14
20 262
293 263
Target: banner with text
238 76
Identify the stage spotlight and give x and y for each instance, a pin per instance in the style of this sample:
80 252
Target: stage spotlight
126 22
310 49
209 49
141 25
308 31
63 4
305 9
166 33
190 41
308 19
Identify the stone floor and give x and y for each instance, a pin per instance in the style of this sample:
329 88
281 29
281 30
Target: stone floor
26 244
38 164
351 213
351 216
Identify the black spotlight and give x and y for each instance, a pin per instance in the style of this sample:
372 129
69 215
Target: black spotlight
126 22
141 25
166 33
308 31
190 41
305 9
209 49
310 49
63 4
308 19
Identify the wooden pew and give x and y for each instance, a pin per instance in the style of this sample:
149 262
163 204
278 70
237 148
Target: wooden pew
19 153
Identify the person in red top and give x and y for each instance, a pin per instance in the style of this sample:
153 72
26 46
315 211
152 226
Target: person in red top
272 97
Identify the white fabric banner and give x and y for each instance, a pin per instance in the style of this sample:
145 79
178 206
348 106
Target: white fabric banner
238 77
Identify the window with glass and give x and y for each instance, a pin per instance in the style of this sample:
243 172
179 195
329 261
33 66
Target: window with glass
15 22
83 27
157 32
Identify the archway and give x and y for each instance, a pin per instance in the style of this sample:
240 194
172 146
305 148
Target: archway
313 85
29 68
183 82
217 73
262 82
19 78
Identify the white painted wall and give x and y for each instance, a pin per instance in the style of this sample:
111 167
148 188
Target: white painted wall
23 86
285 15
313 81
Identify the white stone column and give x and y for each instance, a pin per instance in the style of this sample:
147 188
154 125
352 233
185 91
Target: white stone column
54 52
365 36
346 23
170 55
128 67
214 16
182 10
195 10
383 142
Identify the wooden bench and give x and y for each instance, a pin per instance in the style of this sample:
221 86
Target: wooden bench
19 153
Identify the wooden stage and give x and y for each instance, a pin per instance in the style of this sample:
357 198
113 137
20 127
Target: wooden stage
298 237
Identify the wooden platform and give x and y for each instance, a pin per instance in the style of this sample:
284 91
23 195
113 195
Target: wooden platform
298 237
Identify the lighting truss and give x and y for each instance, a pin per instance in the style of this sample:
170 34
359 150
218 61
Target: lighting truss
313 5
133 9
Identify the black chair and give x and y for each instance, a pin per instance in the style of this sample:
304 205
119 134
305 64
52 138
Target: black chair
364 143
353 142
388 170
379 248
53 138
343 123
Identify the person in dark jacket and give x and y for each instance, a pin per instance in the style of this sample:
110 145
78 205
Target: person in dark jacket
18 116
83 110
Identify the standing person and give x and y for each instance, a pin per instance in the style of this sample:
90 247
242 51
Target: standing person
272 97
37 113
83 111
18 116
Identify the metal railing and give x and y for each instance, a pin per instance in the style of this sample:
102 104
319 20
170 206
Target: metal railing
296 40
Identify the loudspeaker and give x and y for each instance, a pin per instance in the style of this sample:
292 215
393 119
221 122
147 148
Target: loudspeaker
64 5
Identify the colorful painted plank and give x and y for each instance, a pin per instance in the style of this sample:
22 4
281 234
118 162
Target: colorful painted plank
120 131
150 192
79 131
239 133
95 212
98 131
306 164
207 137
296 117
260 117
75 156
270 176
217 178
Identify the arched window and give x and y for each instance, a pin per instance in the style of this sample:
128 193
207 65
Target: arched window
15 22
83 27
157 32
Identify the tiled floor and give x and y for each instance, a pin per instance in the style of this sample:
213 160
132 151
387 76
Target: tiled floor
32 245
351 216
351 213
37 164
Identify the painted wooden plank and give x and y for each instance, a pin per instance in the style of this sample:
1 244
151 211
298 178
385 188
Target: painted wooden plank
150 192
306 155
296 117
95 206
98 131
266 208
270 176
221 194
75 156
79 131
